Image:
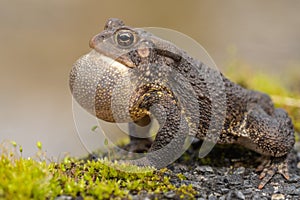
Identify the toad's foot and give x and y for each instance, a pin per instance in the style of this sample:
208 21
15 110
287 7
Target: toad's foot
140 145
270 166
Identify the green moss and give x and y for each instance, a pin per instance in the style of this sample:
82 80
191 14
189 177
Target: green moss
22 178
181 176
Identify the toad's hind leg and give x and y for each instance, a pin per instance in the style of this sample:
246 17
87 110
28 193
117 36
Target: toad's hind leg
278 164
273 137
269 135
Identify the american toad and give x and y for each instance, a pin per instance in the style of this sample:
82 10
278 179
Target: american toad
130 75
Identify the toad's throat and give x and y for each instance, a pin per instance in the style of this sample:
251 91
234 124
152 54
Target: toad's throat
94 80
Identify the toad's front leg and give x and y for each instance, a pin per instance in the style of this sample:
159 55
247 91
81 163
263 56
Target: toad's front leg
273 137
170 139
139 133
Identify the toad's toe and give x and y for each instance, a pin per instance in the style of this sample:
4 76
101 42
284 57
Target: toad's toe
270 167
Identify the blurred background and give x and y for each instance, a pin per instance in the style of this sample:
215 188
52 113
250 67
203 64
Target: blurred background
40 40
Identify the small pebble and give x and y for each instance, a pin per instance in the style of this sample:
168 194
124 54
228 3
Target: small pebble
298 165
277 197
256 197
211 197
291 189
294 179
236 195
224 190
222 197
203 169
239 195
235 179
64 197
276 189
239 171
170 195
248 191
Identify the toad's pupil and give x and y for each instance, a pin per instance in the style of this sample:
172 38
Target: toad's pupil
125 39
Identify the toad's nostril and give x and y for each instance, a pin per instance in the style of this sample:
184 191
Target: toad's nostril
98 39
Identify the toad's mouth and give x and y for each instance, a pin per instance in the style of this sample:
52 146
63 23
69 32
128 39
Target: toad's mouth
121 60
109 61
106 49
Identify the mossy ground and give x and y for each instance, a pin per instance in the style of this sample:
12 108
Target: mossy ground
22 178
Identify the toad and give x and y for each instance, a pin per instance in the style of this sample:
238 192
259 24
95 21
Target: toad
131 75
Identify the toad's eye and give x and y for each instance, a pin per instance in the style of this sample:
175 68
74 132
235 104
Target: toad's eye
125 38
